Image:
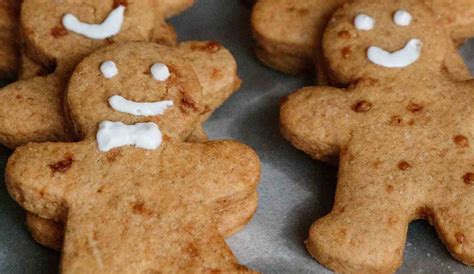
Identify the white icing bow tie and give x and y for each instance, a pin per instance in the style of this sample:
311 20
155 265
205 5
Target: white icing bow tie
117 134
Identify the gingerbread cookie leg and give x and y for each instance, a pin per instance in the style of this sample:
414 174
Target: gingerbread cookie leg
231 216
454 221
366 230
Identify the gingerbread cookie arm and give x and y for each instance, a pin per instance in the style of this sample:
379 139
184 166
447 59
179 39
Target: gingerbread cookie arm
9 10
457 16
38 175
288 32
163 33
318 121
31 110
170 8
232 183
216 69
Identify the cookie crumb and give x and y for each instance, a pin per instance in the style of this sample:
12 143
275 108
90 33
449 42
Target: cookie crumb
362 106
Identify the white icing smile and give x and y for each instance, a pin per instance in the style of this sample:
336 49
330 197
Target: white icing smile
121 104
117 134
398 59
110 27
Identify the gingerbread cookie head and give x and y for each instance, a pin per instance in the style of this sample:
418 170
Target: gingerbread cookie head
135 83
380 39
60 31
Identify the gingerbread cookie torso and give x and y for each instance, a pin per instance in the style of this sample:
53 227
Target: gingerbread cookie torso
134 197
402 132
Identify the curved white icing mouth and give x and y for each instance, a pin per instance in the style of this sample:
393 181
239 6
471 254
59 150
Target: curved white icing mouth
398 59
110 27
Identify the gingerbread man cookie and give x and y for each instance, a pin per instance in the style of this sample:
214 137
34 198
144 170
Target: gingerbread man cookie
32 109
288 33
402 131
216 73
132 195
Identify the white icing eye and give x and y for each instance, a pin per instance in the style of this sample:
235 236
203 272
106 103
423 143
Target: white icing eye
364 22
108 69
160 72
402 18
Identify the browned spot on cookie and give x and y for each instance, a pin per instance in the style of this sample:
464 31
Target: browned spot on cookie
113 155
461 141
389 188
59 31
109 41
211 46
396 120
411 122
187 103
192 250
403 165
377 164
392 221
460 238
344 34
303 12
140 209
120 3
19 97
362 106
62 166
216 73
346 52
468 178
100 189
413 107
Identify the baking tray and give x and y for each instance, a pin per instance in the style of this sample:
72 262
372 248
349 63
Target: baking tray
294 190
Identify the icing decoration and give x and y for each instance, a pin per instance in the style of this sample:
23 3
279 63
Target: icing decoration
398 59
117 134
364 22
121 104
110 27
402 18
108 69
160 72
